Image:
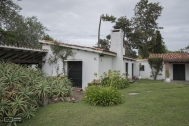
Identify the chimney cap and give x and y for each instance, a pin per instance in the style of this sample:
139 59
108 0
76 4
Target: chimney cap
116 30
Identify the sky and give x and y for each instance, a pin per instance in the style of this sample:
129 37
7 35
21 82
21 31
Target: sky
77 21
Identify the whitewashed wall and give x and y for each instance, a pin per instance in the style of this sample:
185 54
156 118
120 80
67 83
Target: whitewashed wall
50 70
147 70
187 71
105 64
129 67
90 64
171 71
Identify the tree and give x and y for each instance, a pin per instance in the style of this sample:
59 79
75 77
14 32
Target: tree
7 36
8 11
185 49
104 44
17 30
47 37
104 18
145 24
156 65
159 46
126 25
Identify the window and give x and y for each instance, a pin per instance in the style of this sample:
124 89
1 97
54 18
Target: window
142 68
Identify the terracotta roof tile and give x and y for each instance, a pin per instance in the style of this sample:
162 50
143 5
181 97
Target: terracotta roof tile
173 57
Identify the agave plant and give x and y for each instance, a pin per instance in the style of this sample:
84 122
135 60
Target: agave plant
42 90
28 113
25 92
2 90
3 108
18 104
11 80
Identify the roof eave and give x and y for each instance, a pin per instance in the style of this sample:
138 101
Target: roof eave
80 48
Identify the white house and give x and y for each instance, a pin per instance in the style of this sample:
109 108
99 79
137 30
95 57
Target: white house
176 64
88 60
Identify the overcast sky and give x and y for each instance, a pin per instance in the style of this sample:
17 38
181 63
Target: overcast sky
76 21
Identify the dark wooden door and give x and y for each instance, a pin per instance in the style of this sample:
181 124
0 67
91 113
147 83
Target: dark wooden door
178 71
75 73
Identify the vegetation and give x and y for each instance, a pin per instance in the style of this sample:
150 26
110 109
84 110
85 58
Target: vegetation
158 46
145 23
105 92
157 104
183 50
114 79
104 18
23 90
102 96
141 31
156 65
18 30
62 53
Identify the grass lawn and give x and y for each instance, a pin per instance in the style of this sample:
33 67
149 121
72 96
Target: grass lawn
157 104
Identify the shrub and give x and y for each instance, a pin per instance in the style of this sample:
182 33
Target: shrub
114 79
23 89
94 82
102 96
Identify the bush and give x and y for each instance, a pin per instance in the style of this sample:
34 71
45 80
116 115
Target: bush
114 79
23 89
94 82
102 96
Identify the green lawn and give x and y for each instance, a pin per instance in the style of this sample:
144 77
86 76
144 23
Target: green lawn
158 104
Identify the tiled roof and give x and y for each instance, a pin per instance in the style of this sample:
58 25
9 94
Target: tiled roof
78 46
173 57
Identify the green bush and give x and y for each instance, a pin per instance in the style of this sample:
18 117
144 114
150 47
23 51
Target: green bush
94 82
23 89
102 96
114 79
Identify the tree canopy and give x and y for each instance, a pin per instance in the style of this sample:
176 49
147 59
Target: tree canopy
16 29
145 25
141 31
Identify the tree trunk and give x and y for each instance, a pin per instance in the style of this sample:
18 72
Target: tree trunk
99 32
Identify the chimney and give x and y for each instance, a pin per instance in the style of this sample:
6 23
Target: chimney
117 46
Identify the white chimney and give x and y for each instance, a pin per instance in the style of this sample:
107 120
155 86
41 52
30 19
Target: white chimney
117 46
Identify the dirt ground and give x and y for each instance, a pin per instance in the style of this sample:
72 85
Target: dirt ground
77 94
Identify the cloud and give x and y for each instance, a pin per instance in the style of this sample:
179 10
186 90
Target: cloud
76 21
